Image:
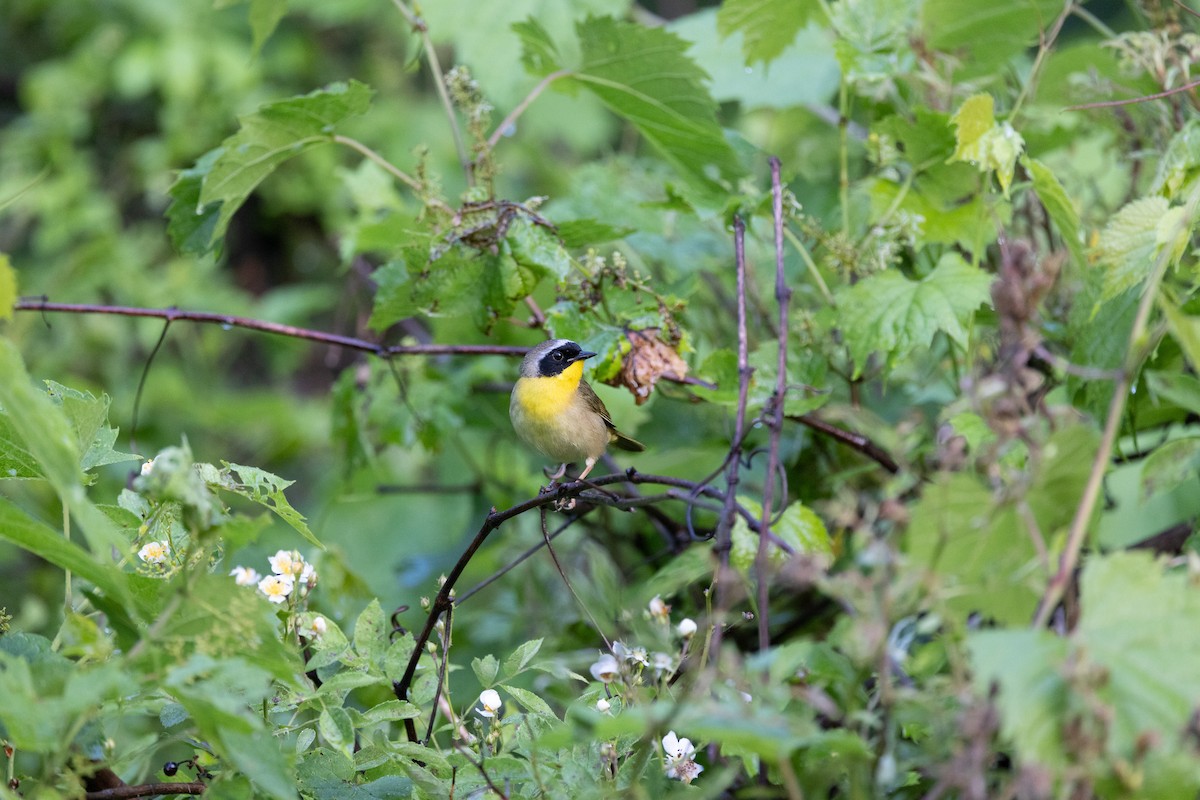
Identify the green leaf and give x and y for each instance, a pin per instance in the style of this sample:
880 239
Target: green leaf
390 711
986 33
1132 665
1179 163
644 76
537 249
1059 206
1033 699
529 701
261 487
8 288
1170 466
369 638
45 542
51 441
798 526
984 142
1131 241
1185 329
889 314
264 18
767 26
337 729
486 669
277 132
578 233
192 226
516 663
88 415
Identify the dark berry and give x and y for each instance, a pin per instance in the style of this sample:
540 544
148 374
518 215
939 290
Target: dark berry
170 768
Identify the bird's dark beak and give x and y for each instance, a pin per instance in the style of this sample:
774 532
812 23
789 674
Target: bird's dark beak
582 356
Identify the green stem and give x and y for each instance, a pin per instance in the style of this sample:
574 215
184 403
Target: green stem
844 154
1043 49
812 266
439 80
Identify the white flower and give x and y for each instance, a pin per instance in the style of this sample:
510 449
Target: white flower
636 654
287 562
149 465
245 576
155 552
308 575
660 610
489 703
602 705
276 587
606 669
317 628
677 758
687 627
662 662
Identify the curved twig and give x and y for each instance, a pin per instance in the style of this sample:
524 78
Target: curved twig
146 790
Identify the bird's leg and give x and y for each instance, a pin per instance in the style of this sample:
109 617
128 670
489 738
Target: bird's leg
587 467
557 474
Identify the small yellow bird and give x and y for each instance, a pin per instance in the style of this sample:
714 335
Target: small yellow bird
555 411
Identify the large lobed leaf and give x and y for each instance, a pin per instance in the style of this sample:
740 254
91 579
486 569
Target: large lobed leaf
1134 661
889 314
275 133
644 76
767 26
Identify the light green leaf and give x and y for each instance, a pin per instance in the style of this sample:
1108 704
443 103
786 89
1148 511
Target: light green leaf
985 33
529 701
1184 328
644 76
767 26
984 142
1131 241
261 487
485 669
1033 699
45 542
264 18
51 441
369 639
1059 206
337 729
798 526
8 288
390 711
516 663
1178 165
88 415
275 133
889 314
1169 466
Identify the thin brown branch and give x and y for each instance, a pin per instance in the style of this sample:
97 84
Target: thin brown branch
783 295
337 340
495 519
724 540
855 441
146 790
1143 99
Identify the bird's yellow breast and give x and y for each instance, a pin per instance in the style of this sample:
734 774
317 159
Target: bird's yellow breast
545 399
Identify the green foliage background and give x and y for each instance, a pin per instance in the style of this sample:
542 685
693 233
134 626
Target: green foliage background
993 279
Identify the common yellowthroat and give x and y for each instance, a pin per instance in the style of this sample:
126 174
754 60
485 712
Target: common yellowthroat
556 412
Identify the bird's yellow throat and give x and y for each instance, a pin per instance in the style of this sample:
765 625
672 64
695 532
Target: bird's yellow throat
546 398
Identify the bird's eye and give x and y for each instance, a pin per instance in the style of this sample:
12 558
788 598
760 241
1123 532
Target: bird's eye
558 356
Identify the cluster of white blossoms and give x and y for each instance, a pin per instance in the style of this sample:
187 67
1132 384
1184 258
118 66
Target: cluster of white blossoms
678 761
291 576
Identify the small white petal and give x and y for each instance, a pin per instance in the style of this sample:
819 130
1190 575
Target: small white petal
687 627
